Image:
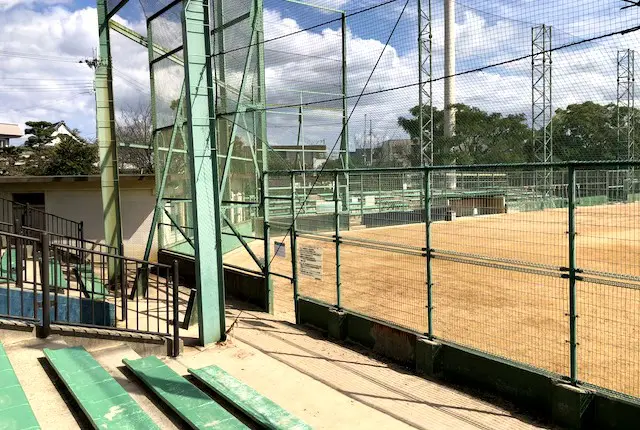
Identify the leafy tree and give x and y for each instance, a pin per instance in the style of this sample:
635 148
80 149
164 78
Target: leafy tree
134 135
40 132
70 157
588 131
481 137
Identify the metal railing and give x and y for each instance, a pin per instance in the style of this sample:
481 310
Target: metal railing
545 275
14 216
20 287
55 282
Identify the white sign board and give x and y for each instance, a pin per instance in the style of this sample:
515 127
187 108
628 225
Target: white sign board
310 262
279 249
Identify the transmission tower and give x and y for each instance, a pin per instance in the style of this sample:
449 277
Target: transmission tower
625 104
425 136
541 108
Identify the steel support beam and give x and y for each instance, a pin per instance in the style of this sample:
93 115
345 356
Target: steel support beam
203 170
625 104
541 106
107 147
344 142
143 41
425 85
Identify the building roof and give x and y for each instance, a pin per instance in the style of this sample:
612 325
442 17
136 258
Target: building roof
10 130
87 178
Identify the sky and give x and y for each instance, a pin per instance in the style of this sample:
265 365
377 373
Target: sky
43 45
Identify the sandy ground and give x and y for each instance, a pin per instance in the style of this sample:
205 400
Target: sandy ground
517 314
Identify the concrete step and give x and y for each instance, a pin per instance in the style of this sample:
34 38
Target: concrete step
111 360
51 403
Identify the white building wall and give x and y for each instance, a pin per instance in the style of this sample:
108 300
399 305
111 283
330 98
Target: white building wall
86 205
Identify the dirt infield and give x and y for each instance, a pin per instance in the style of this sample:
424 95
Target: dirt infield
489 301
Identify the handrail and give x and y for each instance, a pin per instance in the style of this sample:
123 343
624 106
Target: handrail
462 167
105 254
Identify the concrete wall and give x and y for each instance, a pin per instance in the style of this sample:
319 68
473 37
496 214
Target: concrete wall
81 200
86 205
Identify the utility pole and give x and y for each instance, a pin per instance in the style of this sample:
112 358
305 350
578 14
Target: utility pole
370 142
449 67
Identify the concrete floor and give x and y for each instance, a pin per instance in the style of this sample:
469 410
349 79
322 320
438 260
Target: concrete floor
331 386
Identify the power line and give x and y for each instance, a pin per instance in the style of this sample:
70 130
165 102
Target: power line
58 58
464 72
324 165
302 30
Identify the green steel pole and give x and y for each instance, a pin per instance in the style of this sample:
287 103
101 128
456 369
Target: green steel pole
107 147
267 241
361 199
345 115
427 221
572 277
202 150
294 249
336 198
379 192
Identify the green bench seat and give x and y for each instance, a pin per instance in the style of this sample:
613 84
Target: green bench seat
189 402
259 408
105 403
15 411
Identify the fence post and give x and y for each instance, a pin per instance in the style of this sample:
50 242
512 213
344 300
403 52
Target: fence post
294 248
361 199
176 315
336 197
19 255
379 192
81 231
572 276
123 287
46 299
427 222
267 240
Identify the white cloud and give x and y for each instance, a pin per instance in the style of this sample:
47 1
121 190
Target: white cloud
307 61
8 4
50 83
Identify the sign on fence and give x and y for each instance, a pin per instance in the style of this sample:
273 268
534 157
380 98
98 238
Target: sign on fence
311 262
279 249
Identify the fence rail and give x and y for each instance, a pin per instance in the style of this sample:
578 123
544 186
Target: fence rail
60 280
14 216
543 274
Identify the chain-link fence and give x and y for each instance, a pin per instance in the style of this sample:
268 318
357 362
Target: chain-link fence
546 276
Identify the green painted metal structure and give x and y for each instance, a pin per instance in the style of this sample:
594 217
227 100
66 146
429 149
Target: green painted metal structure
262 410
105 122
105 403
189 402
203 160
215 126
15 411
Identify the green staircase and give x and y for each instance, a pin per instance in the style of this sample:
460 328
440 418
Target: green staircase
262 410
15 411
191 404
8 271
105 403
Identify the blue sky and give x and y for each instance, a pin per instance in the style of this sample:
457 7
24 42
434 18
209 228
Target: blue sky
55 35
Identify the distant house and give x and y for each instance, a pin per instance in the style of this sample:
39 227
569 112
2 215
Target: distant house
8 132
59 129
